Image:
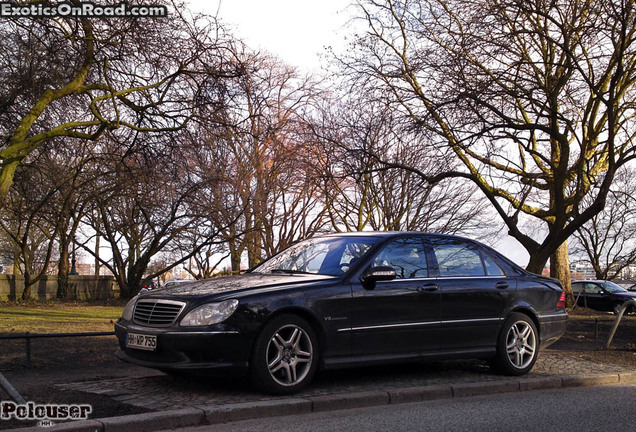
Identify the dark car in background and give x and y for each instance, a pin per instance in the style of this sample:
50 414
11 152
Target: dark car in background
343 300
601 295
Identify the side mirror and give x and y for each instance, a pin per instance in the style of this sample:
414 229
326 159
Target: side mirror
377 274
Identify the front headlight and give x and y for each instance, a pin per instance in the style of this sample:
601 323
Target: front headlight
209 314
127 314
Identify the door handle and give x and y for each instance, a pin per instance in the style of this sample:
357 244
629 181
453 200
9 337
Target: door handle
427 288
501 285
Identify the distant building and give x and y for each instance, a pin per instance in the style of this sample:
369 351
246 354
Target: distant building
628 273
582 270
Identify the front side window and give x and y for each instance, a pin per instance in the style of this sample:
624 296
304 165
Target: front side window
407 257
611 287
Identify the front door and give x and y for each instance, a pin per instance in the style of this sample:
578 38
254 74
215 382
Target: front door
400 316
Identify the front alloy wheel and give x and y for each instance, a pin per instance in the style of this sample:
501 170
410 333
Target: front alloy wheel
518 345
285 355
289 355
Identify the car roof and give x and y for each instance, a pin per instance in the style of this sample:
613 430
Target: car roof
591 281
390 234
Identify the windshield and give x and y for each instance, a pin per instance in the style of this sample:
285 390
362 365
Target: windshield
613 288
331 256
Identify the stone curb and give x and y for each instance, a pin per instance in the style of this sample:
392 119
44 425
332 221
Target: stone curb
153 421
351 400
213 414
628 377
248 410
580 381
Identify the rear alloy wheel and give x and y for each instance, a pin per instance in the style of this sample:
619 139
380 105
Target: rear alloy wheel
517 345
285 355
617 307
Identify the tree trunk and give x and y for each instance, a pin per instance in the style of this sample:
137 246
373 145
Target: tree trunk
133 283
560 269
97 264
537 263
17 261
236 261
62 271
254 249
235 256
26 294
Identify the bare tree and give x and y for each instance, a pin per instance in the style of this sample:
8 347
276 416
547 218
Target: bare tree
208 262
29 219
534 98
255 142
356 139
71 170
147 200
77 78
608 240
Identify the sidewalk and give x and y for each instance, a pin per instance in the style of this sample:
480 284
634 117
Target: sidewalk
176 402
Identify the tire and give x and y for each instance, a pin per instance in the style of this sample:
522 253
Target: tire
517 345
617 307
285 356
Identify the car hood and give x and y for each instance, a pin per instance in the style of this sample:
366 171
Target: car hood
626 295
248 282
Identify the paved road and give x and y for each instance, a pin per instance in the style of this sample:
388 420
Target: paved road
581 409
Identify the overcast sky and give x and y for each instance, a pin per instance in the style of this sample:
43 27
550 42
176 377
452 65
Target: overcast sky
297 31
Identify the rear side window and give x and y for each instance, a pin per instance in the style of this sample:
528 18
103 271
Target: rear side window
457 258
587 288
492 269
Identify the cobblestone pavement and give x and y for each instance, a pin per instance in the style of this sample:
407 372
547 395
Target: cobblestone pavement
160 392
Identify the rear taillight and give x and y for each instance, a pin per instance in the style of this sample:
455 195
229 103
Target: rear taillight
561 302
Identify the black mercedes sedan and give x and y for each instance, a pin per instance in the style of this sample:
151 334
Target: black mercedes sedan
349 299
602 295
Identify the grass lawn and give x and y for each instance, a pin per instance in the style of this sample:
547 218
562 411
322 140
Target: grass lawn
57 318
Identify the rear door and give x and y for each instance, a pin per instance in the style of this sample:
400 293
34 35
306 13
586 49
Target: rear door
475 293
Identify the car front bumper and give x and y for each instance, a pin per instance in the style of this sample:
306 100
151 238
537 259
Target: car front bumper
178 349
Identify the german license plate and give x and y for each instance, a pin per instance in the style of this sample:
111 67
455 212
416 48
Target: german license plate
141 341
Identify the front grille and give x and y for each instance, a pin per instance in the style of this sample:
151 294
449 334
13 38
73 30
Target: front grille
157 313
